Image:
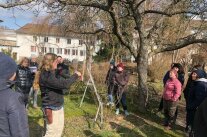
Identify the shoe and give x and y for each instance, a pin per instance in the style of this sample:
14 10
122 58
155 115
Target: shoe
117 111
126 112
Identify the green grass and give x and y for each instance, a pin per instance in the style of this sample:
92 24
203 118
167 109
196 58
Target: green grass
79 121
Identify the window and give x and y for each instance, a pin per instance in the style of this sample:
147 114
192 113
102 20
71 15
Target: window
59 50
43 49
68 41
73 52
80 42
68 51
35 38
51 50
45 39
57 40
81 52
76 52
33 48
65 51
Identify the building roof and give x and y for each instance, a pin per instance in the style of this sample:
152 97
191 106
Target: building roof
7 43
46 30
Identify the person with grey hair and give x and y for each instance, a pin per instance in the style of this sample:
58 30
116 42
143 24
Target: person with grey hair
13 117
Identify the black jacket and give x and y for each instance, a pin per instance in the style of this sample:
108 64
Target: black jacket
63 71
52 88
13 117
23 79
110 75
197 94
200 120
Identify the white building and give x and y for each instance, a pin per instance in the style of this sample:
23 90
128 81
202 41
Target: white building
35 39
8 41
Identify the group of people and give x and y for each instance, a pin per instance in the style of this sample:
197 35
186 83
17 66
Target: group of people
52 77
195 93
117 79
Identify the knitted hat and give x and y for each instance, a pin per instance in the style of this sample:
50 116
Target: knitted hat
120 65
112 62
8 67
200 73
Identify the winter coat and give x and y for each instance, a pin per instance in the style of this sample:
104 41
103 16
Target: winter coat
197 94
172 90
200 120
110 75
180 77
13 117
52 88
23 79
63 71
121 80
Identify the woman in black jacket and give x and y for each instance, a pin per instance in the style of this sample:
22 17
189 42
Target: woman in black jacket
52 87
23 79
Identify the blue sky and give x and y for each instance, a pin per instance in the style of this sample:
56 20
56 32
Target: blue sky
17 17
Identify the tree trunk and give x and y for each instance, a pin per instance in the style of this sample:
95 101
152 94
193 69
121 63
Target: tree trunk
142 66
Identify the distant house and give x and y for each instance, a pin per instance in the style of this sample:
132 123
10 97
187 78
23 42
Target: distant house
36 39
8 41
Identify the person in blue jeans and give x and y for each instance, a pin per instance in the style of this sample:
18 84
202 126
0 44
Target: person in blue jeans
109 82
121 79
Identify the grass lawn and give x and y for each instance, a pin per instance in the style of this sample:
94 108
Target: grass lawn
79 121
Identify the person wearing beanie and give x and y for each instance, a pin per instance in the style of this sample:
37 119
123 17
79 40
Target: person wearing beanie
121 79
14 122
197 94
172 92
109 82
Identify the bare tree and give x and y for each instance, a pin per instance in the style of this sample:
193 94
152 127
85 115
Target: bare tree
159 26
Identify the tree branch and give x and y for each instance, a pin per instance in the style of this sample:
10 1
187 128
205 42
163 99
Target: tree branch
19 3
170 14
181 43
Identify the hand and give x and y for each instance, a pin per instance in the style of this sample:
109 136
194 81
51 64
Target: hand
78 73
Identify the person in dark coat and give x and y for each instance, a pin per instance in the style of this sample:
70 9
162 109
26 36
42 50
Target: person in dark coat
62 68
121 79
23 79
197 94
186 91
110 83
62 72
200 120
33 68
51 88
13 117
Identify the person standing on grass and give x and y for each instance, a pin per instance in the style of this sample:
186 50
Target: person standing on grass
196 95
172 92
121 79
13 117
33 68
24 79
110 83
186 91
51 89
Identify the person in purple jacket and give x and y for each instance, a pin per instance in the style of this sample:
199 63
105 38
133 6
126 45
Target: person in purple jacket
13 117
172 92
